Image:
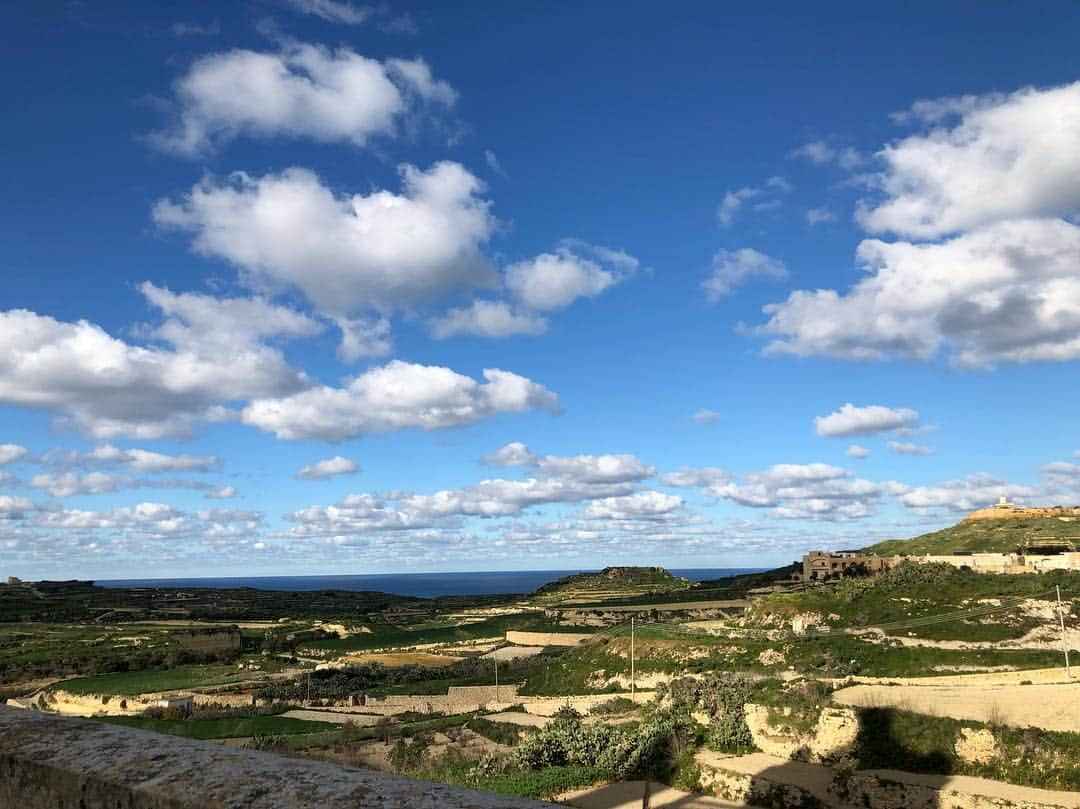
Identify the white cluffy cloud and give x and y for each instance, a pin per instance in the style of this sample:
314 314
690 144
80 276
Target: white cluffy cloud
607 480
68 484
851 420
821 153
705 416
966 494
1014 156
817 491
108 387
395 396
731 267
9 453
546 283
638 506
377 252
485 318
298 91
909 448
766 195
142 460
991 189
327 469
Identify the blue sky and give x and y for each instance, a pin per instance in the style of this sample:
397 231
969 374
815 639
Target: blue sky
309 286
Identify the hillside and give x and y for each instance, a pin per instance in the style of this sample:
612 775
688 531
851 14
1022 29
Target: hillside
1001 535
613 582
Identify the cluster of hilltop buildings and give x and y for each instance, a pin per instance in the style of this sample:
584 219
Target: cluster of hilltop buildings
826 565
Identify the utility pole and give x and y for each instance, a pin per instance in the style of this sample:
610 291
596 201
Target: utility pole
632 689
495 660
1064 640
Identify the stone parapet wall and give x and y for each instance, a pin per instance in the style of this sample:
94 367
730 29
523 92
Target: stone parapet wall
48 761
547 638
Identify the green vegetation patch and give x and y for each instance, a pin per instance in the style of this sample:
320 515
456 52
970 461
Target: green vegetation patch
902 740
133 683
997 536
540 784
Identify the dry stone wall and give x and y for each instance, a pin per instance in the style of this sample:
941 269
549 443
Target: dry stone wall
51 762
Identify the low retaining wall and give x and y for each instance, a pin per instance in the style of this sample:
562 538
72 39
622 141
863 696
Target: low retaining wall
48 761
547 638
765 780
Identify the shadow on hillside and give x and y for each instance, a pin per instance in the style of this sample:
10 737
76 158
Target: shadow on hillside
878 746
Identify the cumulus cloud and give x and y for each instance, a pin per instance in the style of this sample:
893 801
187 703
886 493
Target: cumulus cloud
821 153
734 201
908 448
966 494
108 387
69 484
690 478
298 91
1013 156
382 251
555 280
817 216
987 193
221 493
14 508
732 267
9 453
857 451
814 491
640 505
554 479
327 469
142 460
705 416
486 318
546 283
513 454
852 420
208 323
397 396
1009 292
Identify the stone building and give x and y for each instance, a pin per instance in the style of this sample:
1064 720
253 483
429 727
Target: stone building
825 565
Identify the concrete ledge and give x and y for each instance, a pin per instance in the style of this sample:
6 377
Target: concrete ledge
52 762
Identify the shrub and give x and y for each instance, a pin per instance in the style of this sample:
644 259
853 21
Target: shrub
409 756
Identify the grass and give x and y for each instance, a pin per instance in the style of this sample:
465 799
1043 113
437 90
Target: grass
539 784
863 602
902 740
133 683
227 728
660 650
391 637
984 535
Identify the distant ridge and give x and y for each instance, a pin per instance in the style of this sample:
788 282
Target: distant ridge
616 581
1002 528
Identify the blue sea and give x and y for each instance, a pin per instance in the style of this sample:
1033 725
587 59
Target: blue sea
424 585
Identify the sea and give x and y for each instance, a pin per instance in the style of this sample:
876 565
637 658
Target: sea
423 585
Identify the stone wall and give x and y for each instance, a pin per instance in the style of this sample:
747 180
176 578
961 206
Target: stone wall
51 762
546 638
831 739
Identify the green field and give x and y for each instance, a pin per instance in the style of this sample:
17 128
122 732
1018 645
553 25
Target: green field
391 637
1002 536
229 728
133 683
